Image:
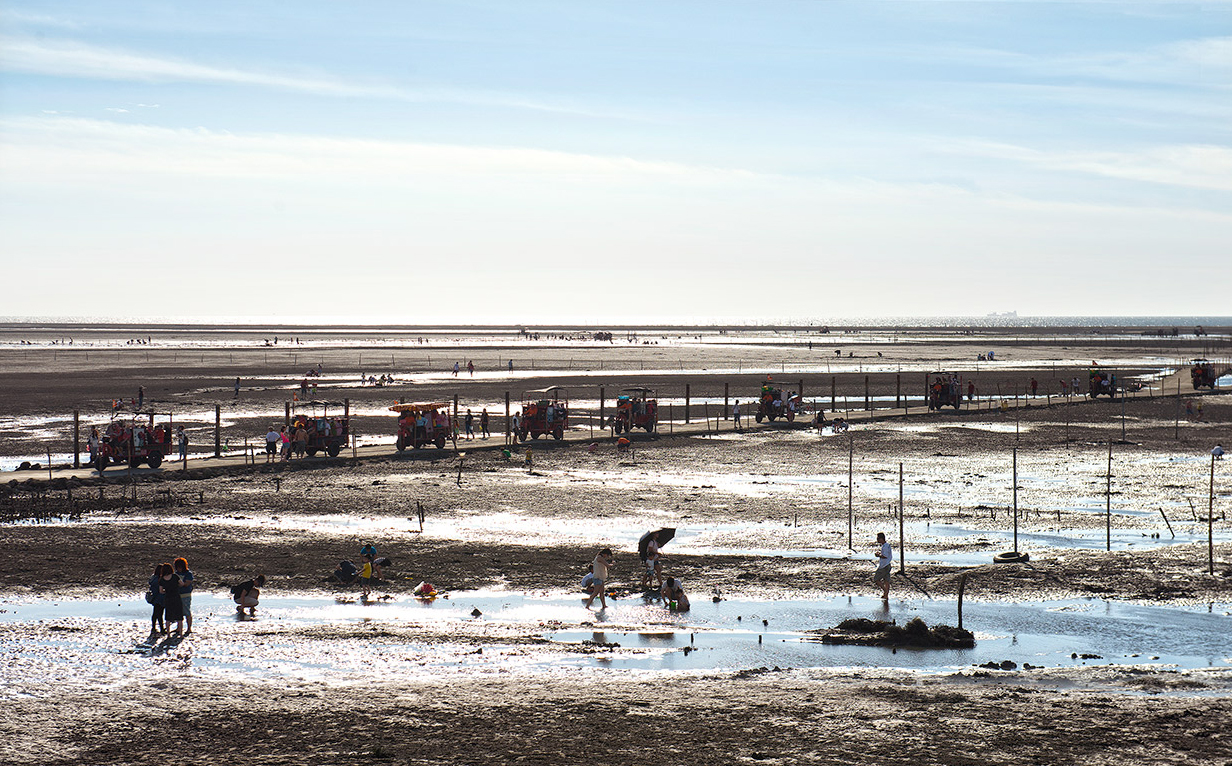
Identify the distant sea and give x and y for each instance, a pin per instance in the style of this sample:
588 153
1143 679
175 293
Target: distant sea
307 323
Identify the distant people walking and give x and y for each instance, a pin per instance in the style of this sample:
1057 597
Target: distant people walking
511 365
181 441
483 424
173 607
247 595
1034 386
455 369
470 425
140 397
237 388
470 367
154 597
885 557
736 414
602 563
186 588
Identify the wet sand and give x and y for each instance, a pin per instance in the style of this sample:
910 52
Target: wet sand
761 515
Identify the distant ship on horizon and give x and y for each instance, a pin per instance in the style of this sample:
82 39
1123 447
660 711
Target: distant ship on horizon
1004 314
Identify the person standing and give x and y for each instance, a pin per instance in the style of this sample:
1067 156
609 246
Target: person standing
602 563
365 577
483 423
470 425
510 365
140 397
181 441
186 588
654 568
173 607
470 367
455 369
1034 386
885 557
272 438
736 414
285 438
301 442
92 442
237 388
158 626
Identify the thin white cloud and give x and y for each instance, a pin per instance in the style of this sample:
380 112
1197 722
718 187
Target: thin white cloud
1198 166
117 109
66 58
44 147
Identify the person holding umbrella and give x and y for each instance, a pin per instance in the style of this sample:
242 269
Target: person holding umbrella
648 550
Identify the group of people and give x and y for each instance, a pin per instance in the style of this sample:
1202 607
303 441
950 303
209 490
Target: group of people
484 424
366 574
170 593
671 590
170 590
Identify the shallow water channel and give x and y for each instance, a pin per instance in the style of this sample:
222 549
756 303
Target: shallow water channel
319 638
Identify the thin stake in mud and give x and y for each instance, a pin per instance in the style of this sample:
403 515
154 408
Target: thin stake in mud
902 553
1015 501
1108 501
1210 522
851 453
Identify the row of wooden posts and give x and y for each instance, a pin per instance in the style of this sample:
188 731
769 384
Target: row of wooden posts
899 402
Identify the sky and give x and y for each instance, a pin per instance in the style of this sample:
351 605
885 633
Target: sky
529 161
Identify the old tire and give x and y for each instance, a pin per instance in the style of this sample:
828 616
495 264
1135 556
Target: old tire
155 458
440 442
1011 557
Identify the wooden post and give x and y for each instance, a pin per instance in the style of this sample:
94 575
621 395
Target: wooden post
76 438
346 411
962 586
866 405
800 390
833 398
217 430
902 553
898 390
508 422
686 403
1176 434
671 420
602 402
286 414
726 404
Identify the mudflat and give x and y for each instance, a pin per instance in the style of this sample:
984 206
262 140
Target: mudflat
762 546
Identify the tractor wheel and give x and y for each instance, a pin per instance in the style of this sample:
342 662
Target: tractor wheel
312 452
536 434
770 418
791 417
758 417
440 442
616 427
416 444
650 427
155 458
332 450
101 462
558 434
401 445
957 405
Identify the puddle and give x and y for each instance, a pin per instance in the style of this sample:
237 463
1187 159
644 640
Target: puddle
314 637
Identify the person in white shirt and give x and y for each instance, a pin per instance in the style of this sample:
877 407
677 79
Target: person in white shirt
272 438
885 557
601 564
736 414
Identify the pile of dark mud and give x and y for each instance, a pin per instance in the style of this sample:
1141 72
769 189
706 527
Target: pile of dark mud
915 634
